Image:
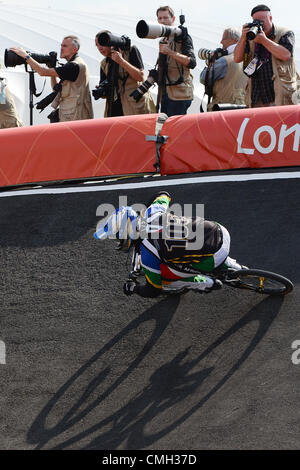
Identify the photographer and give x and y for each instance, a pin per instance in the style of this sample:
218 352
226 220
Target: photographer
177 90
8 113
73 100
177 93
121 72
268 61
224 79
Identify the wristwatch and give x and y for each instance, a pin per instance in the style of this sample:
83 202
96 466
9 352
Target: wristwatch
27 57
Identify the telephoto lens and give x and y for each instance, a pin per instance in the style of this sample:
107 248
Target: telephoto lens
108 39
144 87
205 54
148 30
11 59
227 106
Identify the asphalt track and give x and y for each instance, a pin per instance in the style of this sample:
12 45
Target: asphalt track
88 368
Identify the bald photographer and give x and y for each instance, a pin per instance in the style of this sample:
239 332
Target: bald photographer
223 78
267 53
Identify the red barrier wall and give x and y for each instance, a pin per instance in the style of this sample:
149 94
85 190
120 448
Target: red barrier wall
248 138
78 149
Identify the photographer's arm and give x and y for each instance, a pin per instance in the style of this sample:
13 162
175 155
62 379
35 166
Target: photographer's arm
42 71
220 70
180 58
278 51
54 81
134 72
240 47
187 56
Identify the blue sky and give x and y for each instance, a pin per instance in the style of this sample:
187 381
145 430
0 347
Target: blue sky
230 12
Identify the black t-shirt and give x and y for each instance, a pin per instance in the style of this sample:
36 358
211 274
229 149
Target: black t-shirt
69 71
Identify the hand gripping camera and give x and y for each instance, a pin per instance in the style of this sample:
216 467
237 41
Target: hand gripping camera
256 27
102 91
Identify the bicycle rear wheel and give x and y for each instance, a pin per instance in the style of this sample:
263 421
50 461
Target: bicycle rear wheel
263 282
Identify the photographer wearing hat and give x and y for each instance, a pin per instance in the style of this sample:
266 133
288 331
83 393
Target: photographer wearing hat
8 113
121 72
73 100
223 78
177 92
267 52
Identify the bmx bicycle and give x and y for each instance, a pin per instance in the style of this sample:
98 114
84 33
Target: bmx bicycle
257 280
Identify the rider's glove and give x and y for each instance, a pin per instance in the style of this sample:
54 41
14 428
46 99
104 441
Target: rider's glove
129 286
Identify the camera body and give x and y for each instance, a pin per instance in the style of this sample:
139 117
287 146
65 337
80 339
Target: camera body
102 91
108 39
49 98
210 55
144 87
256 27
11 59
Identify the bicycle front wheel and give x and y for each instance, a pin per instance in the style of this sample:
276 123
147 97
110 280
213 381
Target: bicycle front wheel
263 282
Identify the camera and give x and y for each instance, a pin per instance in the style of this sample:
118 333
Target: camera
102 91
256 27
11 59
210 55
49 98
144 87
154 30
107 39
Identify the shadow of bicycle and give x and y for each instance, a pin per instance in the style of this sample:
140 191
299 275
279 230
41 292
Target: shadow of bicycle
169 386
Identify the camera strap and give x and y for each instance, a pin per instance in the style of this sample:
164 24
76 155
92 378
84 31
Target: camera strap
179 80
113 78
209 83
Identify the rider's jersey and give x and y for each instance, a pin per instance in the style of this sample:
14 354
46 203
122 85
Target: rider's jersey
176 248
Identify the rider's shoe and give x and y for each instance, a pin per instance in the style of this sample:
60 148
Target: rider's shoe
136 273
217 285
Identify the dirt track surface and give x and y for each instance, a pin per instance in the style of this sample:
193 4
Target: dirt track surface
88 368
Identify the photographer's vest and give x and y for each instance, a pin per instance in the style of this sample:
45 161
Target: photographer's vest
231 88
74 100
8 113
177 72
126 85
284 75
